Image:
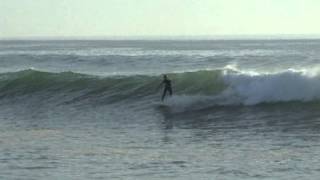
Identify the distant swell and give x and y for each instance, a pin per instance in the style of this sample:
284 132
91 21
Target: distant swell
215 87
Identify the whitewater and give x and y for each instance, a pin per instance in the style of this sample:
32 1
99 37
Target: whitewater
241 109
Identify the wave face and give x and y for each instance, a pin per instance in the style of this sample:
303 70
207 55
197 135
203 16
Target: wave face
215 87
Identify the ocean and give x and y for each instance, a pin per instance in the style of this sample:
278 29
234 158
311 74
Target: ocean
241 109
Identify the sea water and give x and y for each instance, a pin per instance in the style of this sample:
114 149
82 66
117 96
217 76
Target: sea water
241 109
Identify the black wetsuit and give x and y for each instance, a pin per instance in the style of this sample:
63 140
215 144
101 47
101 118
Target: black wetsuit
167 87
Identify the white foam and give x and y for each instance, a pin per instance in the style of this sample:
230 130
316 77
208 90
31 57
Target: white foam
180 103
290 85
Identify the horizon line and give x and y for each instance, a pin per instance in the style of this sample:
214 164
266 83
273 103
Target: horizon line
170 37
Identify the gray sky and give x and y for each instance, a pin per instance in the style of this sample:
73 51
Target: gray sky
92 18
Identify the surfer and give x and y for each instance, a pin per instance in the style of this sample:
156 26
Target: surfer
167 87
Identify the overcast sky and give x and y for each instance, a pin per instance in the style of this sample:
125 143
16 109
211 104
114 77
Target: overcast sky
70 18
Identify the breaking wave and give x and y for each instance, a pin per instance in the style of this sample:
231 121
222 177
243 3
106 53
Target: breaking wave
227 86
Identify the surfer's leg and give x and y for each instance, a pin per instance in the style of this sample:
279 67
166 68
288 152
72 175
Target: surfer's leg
164 94
170 91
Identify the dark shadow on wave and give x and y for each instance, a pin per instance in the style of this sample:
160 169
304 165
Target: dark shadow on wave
293 117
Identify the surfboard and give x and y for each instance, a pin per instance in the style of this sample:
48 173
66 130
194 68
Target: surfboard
162 106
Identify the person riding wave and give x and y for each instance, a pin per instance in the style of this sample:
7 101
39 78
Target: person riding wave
167 87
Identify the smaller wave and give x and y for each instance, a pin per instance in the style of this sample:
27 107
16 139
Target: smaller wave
139 52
